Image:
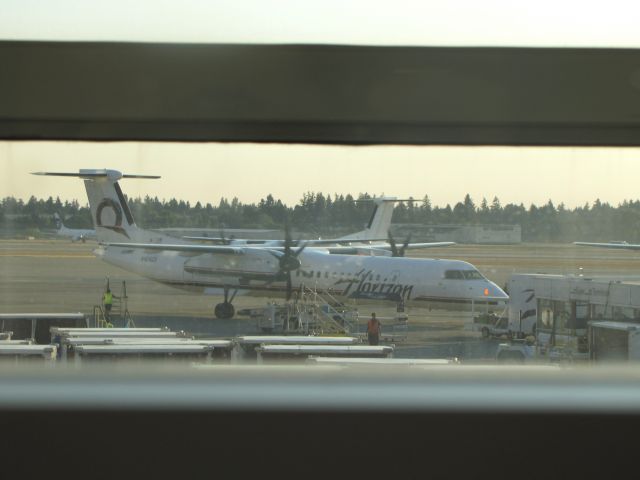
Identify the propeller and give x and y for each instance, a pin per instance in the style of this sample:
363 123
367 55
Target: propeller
395 251
289 260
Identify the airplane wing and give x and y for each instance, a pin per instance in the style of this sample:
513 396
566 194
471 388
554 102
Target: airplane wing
211 239
222 249
414 246
257 242
243 249
618 245
383 248
208 249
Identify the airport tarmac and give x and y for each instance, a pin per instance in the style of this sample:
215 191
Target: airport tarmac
61 276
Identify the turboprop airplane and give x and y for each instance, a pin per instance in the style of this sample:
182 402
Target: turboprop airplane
375 231
75 234
269 270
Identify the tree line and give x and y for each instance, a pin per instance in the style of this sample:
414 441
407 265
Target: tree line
324 215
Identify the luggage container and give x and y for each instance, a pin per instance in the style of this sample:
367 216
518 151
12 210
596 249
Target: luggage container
303 352
222 348
18 353
246 345
139 352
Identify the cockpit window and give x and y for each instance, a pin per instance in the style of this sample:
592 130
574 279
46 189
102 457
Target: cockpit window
462 275
453 275
472 275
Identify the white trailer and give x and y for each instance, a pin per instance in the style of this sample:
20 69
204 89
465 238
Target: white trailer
523 308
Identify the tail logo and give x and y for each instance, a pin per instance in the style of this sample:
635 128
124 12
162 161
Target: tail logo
117 210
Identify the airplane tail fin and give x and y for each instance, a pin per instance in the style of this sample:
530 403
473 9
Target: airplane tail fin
379 222
110 212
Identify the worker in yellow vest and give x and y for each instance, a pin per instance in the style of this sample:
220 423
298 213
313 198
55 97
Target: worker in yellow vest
107 303
373 330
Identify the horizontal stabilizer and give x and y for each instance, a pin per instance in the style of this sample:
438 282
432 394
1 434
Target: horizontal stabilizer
96 174
385 199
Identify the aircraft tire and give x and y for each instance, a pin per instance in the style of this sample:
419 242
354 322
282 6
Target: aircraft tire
224 310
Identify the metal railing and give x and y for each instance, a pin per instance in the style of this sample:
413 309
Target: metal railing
119 310
326 318
99 318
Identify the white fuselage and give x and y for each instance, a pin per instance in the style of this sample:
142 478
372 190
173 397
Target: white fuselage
348 276
76 234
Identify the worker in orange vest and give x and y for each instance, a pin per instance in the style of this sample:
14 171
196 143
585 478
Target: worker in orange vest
373 330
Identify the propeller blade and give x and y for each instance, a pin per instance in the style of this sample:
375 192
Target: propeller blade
301 249
392 242
405 245
289 286
287 239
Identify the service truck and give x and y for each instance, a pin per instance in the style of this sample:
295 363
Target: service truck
519 318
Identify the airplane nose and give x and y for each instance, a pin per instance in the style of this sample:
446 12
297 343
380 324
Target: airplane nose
495 291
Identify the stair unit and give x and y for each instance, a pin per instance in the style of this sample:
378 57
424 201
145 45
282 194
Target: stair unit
311 312
119 311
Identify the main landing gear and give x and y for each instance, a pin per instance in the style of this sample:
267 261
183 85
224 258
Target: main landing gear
225 309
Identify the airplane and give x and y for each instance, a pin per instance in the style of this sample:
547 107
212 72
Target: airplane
75 234
376 230
272 270
619 244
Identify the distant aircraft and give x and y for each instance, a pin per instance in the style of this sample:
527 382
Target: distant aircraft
74 233
375 232
619 244
271 269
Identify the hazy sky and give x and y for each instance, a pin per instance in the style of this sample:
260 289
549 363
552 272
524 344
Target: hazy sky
207 171
399 22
